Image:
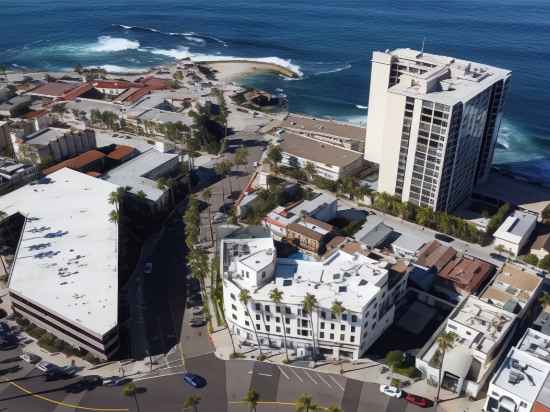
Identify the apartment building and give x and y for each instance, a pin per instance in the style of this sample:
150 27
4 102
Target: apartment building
64 277
54 145
433 125
522 383
361 284
340 134
14 174
310 234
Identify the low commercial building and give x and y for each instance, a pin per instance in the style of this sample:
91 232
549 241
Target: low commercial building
514 289
359 283
462 276
374 232
90 161
323 207
483 333
64 277
14 174
344 135
407 246
310 234
514 233
142 173
16 105
522 383
54 90
54 145
541 246
331 162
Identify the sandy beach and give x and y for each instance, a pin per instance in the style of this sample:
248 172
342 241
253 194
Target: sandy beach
229 70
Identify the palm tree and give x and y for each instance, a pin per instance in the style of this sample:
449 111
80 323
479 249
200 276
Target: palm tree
445 342
277 297
114 216
310 170
337 309
197 261
223 168
244 297
308 304
131 390
192 402
206 196
544 300
141 195
333 408
305 404
252 397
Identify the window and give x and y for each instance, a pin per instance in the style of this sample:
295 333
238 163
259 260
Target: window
332 326
352 339
332 316
257 326
234 316
287 321
299 312
321 335
323 315
233 307
304 323
332 336
373 325
342 337
267 327
278 309
288 331
353 329
257 317
278 329
232 296
288 311
344 316
322 325
353 318
304 332
258 306
267 308
247 323
277 319
342 327
268 318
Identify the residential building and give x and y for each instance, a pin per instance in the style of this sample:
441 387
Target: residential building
407 246
462 276
142 173
310 234
374 232
360 283
5 139
344 135
331 162
433 125
54 90
15 106
435 256
64 277
515 231
541 246
514 289
522 383
54 145
483 333
322 207
14 174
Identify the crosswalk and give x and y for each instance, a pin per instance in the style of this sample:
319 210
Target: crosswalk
303 375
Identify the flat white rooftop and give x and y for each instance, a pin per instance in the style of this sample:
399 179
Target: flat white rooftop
284 216
67 260
516 226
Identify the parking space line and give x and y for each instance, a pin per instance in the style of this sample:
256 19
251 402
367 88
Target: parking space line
336 382
323 379
264 374
283 372
310 377
298 376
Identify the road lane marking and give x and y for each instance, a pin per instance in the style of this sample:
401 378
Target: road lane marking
66 405
323 379
310 377
336 382
264 374
283 372
298 376
145 378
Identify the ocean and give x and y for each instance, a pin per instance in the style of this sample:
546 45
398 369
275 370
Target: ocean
330 42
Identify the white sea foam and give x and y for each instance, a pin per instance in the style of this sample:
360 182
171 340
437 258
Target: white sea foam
106 44
361 107
336 70
112 68
357 120
179 53
197 37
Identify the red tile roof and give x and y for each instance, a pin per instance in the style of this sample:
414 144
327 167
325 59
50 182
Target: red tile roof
436 255
154 83
54 89
467 273
121 152
79 91
114 84
94 174
77 162
34 114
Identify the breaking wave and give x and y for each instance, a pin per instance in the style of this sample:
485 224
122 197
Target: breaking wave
336 70
361 107
190 36
113 68
106 44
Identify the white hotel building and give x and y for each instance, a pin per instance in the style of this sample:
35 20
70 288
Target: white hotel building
433 125
360 283
64 278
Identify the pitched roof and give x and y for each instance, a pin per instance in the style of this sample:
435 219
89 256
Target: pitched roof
436 255
466 272
120 152
543 240
54 89
77 162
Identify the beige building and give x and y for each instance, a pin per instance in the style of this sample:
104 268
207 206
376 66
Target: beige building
433 124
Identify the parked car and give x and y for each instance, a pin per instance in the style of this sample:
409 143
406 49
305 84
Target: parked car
148 268
61 373
197 322
46 366
498 257
116 381
4 328
92 380
219 217
197 312
195 381
30 358
443 238
418 400
391 391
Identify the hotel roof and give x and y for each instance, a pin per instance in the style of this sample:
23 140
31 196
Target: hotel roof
316 151
67 259
323 126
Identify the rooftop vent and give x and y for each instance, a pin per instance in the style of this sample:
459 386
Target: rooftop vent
287 282
342 289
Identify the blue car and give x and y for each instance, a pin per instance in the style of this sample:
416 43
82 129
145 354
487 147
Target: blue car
195 381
